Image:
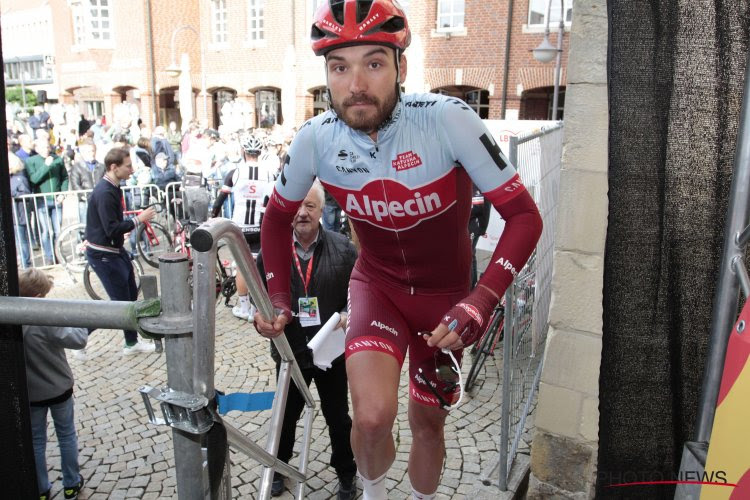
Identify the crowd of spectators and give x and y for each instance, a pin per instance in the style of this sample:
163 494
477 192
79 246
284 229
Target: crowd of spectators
52 157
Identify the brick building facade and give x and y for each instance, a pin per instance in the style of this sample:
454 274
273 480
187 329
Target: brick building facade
256 52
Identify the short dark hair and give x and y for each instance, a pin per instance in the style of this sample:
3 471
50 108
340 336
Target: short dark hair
116 157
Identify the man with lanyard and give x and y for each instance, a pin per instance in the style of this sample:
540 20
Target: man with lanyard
402 168
250 185
322 264
105 232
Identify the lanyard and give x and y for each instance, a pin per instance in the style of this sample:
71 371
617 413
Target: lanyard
305 279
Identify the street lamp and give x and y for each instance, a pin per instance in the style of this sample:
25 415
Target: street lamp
545 52
174 70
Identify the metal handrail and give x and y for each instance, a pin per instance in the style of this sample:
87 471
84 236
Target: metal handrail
205 242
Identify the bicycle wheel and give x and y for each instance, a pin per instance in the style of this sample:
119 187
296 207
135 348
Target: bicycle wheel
70 247
153 241
95 288
486 345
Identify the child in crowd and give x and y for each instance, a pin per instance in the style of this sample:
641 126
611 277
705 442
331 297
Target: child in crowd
50 385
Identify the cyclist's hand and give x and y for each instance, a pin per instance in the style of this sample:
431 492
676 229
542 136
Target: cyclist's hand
462 325
271 329
147 215
342 321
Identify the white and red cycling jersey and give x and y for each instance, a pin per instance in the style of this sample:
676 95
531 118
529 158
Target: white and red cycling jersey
409 195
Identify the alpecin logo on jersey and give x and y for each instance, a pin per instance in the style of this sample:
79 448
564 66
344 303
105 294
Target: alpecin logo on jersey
390 205
405 161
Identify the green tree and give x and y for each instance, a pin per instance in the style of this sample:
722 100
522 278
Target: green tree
13 94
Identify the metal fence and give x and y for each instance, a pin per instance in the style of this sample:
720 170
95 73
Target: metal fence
538 156
38 219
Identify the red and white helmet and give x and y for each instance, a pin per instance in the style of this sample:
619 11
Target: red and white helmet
342 23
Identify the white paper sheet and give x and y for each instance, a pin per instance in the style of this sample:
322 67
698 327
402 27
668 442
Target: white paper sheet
328 343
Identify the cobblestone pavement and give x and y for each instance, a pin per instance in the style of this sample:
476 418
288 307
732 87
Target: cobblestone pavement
123 456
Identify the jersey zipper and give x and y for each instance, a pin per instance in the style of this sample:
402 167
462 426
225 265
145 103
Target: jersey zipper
398 238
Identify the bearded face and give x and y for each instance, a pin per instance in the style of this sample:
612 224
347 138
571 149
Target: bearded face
362 81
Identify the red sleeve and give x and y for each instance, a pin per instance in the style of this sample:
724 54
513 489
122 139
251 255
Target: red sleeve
523 227
276 246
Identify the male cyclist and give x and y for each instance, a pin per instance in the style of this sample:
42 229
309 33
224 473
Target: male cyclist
402 168
250 184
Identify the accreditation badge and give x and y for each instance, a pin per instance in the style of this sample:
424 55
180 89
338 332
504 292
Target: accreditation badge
309 312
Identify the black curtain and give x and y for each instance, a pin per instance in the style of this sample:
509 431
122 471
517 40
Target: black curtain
17 471
675 71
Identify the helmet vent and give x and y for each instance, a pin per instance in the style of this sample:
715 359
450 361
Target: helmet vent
337 10
363 9
393 25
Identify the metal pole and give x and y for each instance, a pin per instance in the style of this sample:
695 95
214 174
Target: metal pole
558 60
727 288
23 84
203 80
203 239
277 420
117 315
204 327
505 406
188 458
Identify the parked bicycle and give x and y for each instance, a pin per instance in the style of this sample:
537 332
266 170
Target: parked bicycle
486 346
70 250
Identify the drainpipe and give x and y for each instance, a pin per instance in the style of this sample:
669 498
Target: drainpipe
154 97
506 68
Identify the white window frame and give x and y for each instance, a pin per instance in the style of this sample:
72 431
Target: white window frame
454 12
554 14
219 23
255 12
88 20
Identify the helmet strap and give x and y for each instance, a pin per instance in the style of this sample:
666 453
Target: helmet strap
398 74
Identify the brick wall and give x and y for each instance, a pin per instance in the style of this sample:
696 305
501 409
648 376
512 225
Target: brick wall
476 59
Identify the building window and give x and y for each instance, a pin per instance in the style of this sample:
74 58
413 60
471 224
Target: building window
219 29
450 15
30 70
268 107
92 22
479 101
94 109
255 20
538 12
320 103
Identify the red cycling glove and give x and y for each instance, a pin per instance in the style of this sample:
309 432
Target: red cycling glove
471 315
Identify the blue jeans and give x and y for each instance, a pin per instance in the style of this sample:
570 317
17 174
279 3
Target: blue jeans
22 245
118 278
331 218
50 216
65 428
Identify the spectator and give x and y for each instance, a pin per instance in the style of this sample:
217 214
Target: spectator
19 186
251 187
47 174
163 172
160 144
50 387
175 140
323 262
105 233
26 148
143 151
479 219
83 126
85 174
